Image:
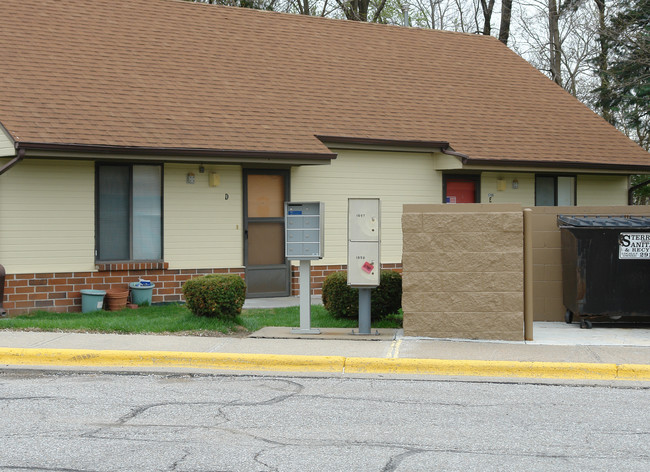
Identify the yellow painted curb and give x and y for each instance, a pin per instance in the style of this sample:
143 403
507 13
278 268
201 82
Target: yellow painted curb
634 372
546 370
92 358
325 364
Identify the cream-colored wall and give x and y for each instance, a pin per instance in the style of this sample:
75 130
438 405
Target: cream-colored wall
602 190
394 177
592 189
524 194
6 144
47 221
202 229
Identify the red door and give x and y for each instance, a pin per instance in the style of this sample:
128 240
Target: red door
460 191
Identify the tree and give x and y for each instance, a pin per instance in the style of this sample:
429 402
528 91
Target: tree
254 4
487 7
628 42
602 65
506 15
357 10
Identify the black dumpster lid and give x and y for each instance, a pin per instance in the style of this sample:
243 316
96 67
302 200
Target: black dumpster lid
573 221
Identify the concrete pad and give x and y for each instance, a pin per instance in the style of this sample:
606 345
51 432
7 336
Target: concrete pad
415 348
348 334
563 334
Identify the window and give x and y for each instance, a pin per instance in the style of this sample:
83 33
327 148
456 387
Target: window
129 212
555 190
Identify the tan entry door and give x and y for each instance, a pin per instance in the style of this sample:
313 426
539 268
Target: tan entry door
267 270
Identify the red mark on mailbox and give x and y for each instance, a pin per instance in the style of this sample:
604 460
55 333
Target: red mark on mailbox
367 267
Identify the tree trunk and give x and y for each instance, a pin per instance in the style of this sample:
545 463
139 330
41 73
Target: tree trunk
604 91
506 13
555 48
487 16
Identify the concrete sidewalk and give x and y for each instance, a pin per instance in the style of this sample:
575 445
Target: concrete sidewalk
560 351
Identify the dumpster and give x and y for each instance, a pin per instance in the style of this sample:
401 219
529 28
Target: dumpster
92 300
605 267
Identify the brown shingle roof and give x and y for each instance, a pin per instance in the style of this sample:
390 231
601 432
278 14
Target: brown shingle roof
172 74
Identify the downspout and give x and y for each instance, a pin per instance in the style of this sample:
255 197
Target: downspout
19 157
450 152
633 188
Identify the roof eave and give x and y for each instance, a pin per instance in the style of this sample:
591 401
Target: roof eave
557 164
175 154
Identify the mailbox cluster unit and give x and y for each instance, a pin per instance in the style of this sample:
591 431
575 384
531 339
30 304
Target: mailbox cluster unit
304 230
363 242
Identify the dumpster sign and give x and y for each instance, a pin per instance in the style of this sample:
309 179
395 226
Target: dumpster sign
634 246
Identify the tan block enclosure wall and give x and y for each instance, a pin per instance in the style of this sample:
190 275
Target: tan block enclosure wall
463 271
463 267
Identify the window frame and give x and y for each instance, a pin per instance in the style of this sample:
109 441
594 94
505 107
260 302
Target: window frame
555 187
130 166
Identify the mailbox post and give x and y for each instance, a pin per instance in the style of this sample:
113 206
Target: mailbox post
304 242
363 253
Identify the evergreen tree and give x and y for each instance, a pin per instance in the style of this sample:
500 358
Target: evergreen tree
629 71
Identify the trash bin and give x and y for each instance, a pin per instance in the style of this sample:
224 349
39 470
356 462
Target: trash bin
141 294
605 266
92 300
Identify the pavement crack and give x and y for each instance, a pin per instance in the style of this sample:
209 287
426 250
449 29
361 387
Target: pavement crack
257 459
395 461
594 354
43 469
10 399
175 464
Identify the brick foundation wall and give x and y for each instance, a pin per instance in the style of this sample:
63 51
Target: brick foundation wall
61 292
319 272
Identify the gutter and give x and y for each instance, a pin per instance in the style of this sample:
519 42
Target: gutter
444 146
634 169
163 151
450 152
19 157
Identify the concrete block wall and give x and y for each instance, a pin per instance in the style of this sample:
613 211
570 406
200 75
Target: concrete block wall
463 271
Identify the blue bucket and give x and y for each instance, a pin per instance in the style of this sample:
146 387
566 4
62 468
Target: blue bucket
92 300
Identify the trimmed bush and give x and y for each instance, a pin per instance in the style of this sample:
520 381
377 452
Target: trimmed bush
215 295
342 301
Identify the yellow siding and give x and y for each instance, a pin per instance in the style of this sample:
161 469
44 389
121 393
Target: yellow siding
396 178
47 217
602 190
524 194
202 229
6 144
592 189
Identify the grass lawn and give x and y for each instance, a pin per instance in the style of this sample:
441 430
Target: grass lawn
178 319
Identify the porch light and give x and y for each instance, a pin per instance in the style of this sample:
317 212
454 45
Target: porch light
515 184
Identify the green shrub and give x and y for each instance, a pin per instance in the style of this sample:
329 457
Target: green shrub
342 301
215 295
